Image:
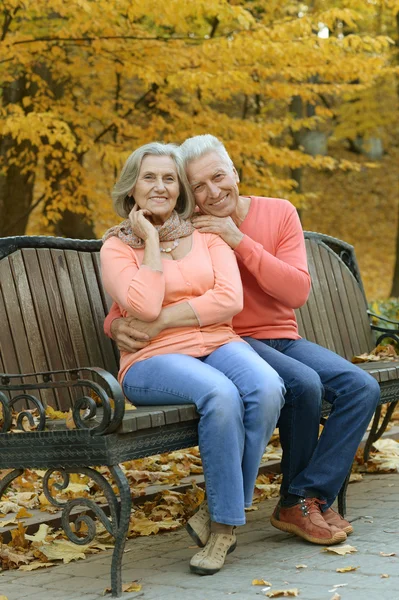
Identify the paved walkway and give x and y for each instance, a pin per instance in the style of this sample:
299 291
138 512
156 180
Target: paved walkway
161 562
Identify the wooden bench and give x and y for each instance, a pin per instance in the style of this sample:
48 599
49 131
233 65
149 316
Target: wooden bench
53 353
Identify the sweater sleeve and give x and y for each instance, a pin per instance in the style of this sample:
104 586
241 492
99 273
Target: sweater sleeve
284 276
114 313
136 288
225 299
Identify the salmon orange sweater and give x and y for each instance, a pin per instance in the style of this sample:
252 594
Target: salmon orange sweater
207 277
274 273
273 266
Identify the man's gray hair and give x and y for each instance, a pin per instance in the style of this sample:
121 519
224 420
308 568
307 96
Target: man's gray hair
199 145
123 203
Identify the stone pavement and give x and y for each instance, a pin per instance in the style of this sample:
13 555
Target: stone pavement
160 562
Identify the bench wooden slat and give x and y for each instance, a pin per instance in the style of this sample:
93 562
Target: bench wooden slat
81 356
110 362
18 354
321 294
8 357
85 327
314 306
338 313
54 298
62 400
362 318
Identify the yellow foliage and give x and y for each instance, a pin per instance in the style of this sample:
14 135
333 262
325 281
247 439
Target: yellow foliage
85 82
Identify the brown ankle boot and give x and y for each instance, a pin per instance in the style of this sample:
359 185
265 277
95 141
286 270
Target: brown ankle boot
305 519
333 518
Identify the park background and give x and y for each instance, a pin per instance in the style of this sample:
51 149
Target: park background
304 95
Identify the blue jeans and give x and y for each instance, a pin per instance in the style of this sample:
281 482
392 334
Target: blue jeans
238 397
312 466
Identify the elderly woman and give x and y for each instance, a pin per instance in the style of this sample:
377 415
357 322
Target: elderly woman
155 265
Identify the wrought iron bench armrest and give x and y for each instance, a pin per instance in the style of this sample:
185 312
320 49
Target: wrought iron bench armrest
380 318
108 393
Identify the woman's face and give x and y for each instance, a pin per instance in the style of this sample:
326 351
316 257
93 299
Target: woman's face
157 187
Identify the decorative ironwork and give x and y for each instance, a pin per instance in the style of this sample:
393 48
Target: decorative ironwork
7 479
109 398
378 429
116 523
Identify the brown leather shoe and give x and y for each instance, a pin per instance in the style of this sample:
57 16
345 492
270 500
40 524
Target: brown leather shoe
333 518
306 520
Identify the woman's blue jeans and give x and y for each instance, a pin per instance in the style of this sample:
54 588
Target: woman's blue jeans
312 466
238 397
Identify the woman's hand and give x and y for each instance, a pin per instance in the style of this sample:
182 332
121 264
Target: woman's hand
141 226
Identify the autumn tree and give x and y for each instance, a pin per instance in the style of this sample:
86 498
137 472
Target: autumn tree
84 82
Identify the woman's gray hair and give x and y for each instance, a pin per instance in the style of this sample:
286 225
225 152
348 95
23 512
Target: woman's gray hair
123 203
199 145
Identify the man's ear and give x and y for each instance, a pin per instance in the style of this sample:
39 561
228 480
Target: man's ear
236 176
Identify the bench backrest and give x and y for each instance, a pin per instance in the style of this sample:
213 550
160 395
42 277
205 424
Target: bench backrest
52 306
335 315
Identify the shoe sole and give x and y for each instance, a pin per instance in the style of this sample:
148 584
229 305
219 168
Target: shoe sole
193 534
202 571
348 530
290 528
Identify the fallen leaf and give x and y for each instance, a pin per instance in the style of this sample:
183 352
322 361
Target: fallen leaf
144 526
3 598
23 513
51 413
260 582
126 587
7 554
40 534
387 553
355 477
132 587
69 422
341 550
336 597
7 507
301 566
26 499
36 564
347 569
384 576
63 550
283 593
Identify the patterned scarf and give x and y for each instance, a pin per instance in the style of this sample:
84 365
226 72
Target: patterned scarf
175 227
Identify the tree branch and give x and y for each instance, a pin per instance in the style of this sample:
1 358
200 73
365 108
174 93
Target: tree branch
156 38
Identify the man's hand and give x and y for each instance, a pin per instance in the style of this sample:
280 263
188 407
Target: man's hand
222 226
131 334
126 336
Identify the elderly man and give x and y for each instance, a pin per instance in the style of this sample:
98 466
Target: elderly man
267 238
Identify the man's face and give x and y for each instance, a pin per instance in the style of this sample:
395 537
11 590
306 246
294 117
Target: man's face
214 184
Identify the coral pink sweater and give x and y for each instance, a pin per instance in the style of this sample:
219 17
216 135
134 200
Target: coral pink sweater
274 273
273 266
207 277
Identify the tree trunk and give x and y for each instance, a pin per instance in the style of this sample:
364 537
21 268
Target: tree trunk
73 225
16 179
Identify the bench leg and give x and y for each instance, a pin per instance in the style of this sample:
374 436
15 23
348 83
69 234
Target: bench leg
125 508
117 523
342 496
377 431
